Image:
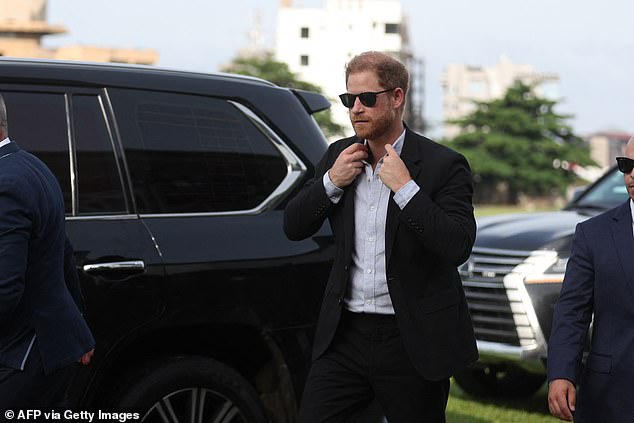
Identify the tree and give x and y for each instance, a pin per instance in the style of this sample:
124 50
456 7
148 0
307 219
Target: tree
267 68
516 144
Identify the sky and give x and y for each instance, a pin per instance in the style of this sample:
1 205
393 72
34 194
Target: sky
589 43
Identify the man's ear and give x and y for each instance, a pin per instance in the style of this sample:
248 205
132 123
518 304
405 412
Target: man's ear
399 97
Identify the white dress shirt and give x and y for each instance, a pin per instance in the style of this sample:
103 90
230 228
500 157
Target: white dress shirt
367 290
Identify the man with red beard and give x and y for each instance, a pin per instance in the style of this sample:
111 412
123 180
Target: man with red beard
394 323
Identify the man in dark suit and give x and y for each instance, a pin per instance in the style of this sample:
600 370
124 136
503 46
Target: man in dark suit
42 331
394 323
599 279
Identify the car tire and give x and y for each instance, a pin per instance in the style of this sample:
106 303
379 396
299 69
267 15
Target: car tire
189 388
507 381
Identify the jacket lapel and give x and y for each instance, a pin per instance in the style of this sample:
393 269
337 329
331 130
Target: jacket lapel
348 213
624 240
411 157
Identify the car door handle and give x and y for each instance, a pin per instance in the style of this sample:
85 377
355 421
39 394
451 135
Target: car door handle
124 266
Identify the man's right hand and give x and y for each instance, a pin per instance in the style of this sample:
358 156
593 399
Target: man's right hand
85 359
562 398
348 165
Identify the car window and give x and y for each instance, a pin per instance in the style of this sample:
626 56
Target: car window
99 185
607 193
38 124
192 154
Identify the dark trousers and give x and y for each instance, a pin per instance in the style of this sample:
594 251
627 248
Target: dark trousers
367 360
31 388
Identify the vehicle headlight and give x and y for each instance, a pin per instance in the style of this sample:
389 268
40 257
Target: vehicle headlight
558 267
554 273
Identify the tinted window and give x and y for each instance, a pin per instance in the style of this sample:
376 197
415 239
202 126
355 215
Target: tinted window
608 193
194 154
100 189
38 124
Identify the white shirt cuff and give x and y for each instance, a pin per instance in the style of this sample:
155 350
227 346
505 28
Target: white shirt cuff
333 192
407 191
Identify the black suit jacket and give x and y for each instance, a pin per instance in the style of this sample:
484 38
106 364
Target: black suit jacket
425 243
39 286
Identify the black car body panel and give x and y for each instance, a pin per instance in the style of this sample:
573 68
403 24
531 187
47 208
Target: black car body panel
174 184
528 231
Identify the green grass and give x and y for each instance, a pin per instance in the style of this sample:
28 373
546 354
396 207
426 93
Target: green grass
463 408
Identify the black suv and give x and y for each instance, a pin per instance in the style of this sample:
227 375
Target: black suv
174 185
512 282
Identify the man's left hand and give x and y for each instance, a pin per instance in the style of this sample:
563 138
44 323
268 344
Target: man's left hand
393 172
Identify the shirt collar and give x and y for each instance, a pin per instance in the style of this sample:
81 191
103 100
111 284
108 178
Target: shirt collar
4 142
398 144
632 209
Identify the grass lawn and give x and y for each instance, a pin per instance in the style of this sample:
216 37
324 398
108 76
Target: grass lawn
463 408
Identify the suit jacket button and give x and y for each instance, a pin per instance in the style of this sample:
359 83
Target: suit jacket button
345 267
340 301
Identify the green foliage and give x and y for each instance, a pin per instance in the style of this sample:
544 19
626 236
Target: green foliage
463 408
515 142
265 67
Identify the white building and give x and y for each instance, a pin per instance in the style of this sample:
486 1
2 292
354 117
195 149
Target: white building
23 24
462 84
316 43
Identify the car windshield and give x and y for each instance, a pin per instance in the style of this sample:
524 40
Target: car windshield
607 193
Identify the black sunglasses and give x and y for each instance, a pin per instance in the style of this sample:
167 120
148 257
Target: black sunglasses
368 99
625 164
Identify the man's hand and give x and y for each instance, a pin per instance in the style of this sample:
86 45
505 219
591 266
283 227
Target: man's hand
348 165
85 359
562 398
393 172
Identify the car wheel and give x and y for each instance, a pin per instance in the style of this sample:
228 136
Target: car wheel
190 389
499 381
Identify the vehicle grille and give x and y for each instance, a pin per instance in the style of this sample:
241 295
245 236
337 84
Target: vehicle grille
498 313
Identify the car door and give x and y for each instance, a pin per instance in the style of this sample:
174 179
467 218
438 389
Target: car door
120 267
207 176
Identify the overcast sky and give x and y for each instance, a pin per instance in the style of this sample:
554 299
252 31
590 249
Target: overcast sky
590 44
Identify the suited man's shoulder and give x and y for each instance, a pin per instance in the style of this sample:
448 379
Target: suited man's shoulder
21 174
13 173
342 143
601 220
428 146
14 162
598 227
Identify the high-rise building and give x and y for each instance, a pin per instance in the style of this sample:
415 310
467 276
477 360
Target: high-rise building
462 84
23 24
316 43
606 145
